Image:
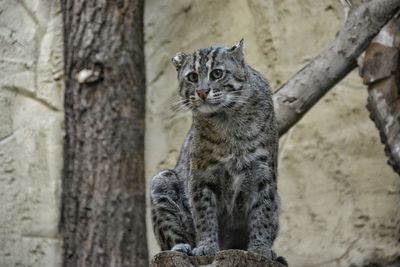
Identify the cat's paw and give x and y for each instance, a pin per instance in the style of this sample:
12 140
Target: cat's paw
208 249
263 251
282 260
184 248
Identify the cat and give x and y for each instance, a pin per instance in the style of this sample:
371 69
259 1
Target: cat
222 193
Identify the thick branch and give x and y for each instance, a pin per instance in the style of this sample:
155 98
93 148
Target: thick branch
313 81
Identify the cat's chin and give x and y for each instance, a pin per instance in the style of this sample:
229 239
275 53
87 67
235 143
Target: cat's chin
209 108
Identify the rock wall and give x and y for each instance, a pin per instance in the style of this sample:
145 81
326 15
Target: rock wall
340 200
31 132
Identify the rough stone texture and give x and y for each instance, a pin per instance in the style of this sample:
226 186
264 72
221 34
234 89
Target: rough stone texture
31 119
340 199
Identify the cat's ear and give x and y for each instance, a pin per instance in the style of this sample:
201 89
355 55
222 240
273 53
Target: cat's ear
178 60
238 50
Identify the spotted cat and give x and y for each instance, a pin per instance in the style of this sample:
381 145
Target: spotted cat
222 194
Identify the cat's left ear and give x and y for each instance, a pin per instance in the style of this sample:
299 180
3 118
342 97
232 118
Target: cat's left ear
238 51
178 60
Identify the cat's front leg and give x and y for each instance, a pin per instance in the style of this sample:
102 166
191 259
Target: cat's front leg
204 210
264 223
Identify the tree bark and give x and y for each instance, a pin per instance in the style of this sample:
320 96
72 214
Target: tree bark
381 72
103 200
314 80
226 258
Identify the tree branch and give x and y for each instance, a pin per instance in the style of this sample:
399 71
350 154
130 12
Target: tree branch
314 80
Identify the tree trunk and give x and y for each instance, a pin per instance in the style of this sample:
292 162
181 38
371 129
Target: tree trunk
103 200
381 72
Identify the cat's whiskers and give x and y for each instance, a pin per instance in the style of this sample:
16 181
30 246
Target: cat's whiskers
180 102
180 106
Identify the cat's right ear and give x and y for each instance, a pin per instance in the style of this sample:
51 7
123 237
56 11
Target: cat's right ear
178 60
238 50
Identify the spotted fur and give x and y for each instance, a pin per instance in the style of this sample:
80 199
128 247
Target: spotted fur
222 194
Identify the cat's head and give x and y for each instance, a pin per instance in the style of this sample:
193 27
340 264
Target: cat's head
212 79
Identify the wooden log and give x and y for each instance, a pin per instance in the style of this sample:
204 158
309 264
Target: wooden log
225 258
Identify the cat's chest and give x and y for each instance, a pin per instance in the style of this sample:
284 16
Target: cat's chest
234 155
225 183
235 193
229 142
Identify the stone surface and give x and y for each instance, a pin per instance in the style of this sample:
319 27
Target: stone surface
340 200
31 132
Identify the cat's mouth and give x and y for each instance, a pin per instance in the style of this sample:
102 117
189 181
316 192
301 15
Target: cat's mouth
210 102
209 106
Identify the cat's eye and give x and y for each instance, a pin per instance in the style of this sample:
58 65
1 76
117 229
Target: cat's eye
216 74
192 77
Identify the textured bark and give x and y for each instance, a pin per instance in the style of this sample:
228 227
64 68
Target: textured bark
103 200
226 258
313 81
381 72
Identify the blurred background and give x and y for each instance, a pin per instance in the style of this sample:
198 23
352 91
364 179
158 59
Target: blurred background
340 200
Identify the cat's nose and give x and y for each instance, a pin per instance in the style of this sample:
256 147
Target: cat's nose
203 93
